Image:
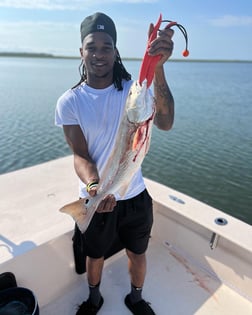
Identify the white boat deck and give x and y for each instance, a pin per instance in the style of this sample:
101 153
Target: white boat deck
184 275
173 286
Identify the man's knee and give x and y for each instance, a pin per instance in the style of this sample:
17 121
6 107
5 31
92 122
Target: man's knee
136 258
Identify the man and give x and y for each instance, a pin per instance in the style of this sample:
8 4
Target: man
90 115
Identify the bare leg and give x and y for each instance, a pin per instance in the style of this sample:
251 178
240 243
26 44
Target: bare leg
137 268
94 274
94 270
95 301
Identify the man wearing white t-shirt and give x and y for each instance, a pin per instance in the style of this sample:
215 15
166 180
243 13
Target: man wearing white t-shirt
90 114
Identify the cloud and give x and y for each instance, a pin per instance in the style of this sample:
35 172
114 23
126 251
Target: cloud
40 36
41 4
62 4
231 20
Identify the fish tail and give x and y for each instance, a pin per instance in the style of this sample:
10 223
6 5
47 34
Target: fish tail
81 211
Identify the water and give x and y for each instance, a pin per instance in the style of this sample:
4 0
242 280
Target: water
207 154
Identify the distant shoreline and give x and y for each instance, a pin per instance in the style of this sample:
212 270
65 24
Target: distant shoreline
49 56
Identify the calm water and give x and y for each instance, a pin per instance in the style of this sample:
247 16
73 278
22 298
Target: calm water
207 155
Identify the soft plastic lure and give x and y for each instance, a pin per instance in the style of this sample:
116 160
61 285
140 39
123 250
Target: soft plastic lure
149 62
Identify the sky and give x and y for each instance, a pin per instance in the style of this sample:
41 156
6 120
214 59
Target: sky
217 29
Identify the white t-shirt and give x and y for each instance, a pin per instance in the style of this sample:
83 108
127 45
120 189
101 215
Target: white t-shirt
98 112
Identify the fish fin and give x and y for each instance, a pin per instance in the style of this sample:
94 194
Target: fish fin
149 62
140 139
81 212
137 138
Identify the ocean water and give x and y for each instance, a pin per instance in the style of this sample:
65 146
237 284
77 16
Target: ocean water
207 154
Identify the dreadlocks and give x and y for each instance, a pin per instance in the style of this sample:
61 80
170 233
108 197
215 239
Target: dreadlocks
119 73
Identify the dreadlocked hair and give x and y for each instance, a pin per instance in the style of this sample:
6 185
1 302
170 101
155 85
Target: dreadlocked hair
119 73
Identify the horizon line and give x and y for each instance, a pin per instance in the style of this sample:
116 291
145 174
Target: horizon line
48 55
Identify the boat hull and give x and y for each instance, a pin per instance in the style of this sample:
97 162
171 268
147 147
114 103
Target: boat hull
194 274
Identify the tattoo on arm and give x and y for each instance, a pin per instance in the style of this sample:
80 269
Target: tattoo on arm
163 91
164 106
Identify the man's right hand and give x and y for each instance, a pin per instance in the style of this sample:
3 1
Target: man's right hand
107 204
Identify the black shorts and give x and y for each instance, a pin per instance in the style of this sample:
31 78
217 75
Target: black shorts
130 221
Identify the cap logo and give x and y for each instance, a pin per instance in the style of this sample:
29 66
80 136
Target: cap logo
100 27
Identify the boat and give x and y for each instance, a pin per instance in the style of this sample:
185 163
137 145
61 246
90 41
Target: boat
199 258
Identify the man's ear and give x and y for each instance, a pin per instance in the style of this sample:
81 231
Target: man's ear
116 53
81 52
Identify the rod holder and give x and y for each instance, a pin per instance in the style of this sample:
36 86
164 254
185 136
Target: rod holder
214 241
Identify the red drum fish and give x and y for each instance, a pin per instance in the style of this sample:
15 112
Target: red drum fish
131 145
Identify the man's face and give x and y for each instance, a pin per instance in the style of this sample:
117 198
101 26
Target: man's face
98 54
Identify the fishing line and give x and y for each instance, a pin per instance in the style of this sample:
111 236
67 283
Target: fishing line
183 31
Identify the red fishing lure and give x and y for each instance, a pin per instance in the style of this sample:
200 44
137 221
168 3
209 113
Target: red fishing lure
149 62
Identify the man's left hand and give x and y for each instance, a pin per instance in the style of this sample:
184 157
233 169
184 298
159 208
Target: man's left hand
162 45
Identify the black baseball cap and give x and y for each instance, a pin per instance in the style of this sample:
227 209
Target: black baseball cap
98 22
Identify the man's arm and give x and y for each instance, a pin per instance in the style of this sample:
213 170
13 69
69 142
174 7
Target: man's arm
164 101
84 165
162 45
